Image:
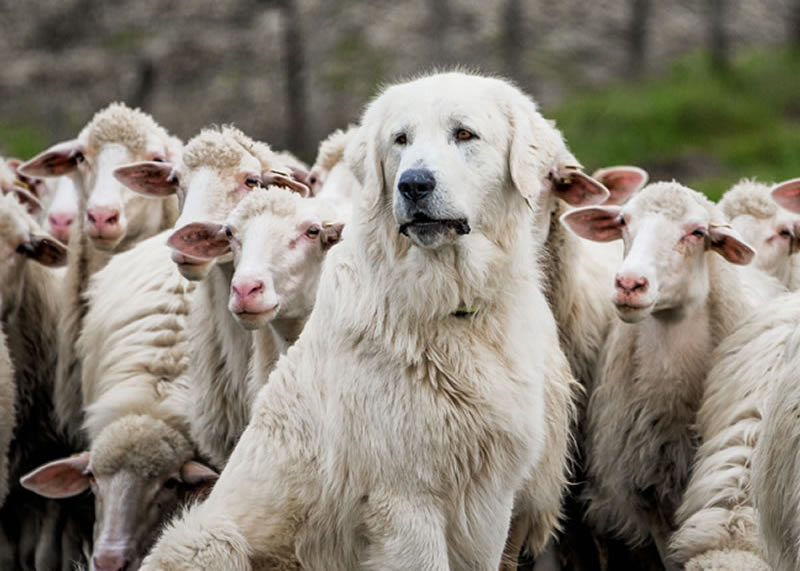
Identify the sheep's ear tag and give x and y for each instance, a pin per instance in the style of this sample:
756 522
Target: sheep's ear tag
463 311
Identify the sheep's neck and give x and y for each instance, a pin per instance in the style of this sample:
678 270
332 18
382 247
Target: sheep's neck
286 331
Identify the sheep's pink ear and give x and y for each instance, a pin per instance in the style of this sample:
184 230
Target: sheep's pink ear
727 242
621 181
331 234
201 240
199 478
787 194
26 198
58 160
597 223
149 178
577 188
285 180
300 175
60 478
45 250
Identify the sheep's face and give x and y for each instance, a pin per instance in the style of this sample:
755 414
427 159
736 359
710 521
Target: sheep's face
62 210
21 240
667 230
278 242
133 495
277 263
775 238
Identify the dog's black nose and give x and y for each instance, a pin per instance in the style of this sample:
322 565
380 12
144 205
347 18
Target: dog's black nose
416 184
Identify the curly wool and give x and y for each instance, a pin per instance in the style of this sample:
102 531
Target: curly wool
748 197
141 444
221 148
331 150
120 124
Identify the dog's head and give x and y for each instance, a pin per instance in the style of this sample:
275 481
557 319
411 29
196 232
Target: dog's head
452 154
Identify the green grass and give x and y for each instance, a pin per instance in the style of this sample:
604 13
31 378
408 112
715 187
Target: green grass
705 130
21 141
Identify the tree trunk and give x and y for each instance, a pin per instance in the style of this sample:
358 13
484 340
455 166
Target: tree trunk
438 30
717 35
794 24
637 35
512 38
297 135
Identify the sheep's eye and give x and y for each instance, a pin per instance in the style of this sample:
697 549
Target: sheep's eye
465 134
228 232
622 221
157 159
785 233
312 179
171 483
79 158
401 139
91 477
251 182
699 233
313 231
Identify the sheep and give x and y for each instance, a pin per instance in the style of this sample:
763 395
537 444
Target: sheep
29 290
772 230
8 413
676 300
330 176
140 470
10 183
774 463
272 292
224 159
400 427
716 518
133 349
113 219
62 209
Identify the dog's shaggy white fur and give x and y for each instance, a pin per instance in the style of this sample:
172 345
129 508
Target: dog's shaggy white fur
397 433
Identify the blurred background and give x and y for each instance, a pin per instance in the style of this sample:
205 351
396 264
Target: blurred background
706 91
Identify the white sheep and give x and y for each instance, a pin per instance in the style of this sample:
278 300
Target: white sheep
219 168
62 209
677 296
401 427
772 230
331 177
8 413
112 219
134 354
716 518
29 290
278 240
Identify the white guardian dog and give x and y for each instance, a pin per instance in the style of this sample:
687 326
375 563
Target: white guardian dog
427 402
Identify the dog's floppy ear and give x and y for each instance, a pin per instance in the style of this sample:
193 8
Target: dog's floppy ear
538 158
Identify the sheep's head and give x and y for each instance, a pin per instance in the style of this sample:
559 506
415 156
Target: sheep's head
115 136
772 230
22 240
278 241
139 470
219 168
667 230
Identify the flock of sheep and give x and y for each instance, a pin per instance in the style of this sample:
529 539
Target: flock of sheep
405 357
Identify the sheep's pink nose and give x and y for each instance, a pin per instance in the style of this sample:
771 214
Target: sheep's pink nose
110 561
248 289
60 220
631 284
103 219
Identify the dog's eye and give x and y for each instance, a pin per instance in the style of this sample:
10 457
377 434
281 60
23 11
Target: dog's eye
400 139
465 134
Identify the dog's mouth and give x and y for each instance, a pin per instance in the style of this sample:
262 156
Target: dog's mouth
426 224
